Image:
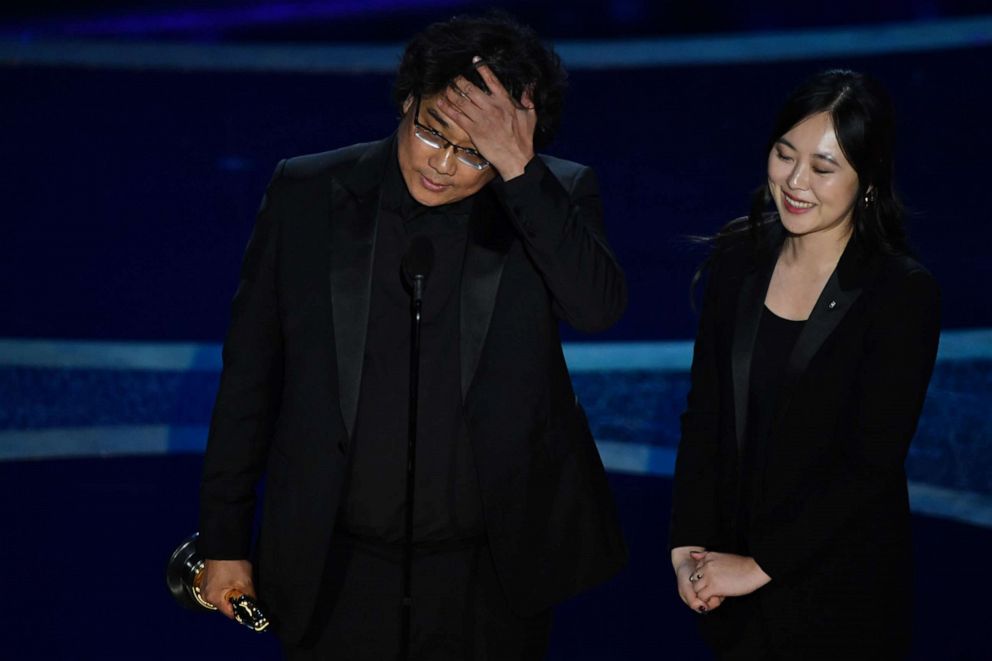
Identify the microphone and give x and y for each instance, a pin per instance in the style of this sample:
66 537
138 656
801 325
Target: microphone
417 264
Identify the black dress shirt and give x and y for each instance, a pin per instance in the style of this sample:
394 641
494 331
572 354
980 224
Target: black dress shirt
447 500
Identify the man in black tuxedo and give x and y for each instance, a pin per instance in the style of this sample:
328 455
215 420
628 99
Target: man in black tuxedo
513 510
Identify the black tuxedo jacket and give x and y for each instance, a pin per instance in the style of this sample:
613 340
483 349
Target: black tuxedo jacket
829 516
292 369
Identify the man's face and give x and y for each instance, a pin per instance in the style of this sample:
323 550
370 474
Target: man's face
436 176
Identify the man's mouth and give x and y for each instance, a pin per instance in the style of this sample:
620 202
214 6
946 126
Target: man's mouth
431 185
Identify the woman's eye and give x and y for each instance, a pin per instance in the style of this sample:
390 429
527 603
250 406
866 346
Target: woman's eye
821 171
783 157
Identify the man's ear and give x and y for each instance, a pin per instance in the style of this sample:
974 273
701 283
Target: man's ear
527 98
407 103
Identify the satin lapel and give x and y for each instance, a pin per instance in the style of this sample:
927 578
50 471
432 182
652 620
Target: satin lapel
838 295
750 304
489 240
353 235
354 212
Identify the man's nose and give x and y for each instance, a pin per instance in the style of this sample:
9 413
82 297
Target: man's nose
443 160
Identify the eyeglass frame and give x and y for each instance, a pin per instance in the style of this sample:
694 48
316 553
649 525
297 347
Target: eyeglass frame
445 143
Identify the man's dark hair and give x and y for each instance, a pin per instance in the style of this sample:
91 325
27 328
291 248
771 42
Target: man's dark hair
444 51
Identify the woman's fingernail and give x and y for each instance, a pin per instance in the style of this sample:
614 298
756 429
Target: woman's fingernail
476 59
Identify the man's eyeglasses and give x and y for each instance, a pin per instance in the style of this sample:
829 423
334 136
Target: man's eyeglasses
433 139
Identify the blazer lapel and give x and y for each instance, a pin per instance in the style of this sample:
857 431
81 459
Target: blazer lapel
750 304
838 296
354 210
489 241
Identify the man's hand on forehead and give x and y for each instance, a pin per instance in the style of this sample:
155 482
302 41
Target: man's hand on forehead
501 127
488 81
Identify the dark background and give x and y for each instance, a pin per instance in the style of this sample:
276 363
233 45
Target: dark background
129 192
130 195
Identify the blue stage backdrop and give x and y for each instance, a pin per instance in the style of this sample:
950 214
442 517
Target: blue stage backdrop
131 194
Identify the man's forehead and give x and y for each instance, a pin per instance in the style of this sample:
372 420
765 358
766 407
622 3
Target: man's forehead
433 116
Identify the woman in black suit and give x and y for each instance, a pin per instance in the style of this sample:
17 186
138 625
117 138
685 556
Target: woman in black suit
818 335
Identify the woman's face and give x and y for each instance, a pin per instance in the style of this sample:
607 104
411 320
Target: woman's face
813 185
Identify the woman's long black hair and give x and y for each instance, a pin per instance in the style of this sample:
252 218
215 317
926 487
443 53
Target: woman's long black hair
863 121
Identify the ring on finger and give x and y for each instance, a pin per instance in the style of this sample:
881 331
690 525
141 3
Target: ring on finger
695 577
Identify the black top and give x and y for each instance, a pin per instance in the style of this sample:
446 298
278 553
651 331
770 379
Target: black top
447 501
774 343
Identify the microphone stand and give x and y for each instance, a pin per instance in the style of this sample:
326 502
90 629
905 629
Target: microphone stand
411 464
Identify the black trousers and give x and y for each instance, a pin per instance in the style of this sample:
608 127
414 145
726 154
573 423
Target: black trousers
744 629
459 612
736 631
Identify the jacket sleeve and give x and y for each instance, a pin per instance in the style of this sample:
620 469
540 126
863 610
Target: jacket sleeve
563 234
695 499
248 398
900 349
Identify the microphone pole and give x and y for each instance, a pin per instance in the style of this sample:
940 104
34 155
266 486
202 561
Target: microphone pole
417 265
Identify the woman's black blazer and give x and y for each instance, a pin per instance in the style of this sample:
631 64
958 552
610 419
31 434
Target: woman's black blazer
829 514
